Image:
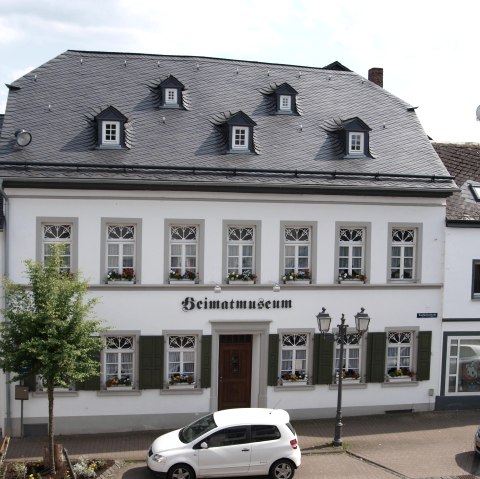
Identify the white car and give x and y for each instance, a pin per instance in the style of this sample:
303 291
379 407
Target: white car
476 442
232 442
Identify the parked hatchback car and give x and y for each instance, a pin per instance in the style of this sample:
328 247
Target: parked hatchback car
232 442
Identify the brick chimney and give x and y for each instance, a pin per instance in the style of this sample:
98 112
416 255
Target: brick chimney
375 75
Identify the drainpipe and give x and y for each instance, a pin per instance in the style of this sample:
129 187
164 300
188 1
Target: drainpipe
8 396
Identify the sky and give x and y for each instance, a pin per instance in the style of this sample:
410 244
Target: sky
428 49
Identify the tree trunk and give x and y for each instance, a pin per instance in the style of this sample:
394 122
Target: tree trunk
51 453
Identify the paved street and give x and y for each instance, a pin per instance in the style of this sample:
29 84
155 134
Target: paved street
419 445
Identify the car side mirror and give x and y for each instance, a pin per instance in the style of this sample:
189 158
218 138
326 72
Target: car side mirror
204 445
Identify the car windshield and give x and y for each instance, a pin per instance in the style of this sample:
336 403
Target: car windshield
196 429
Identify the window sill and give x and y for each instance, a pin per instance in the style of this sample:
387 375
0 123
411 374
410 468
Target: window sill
43 394
119 392
181 386
294 387
399 383
121 281
351 282
289 384
240 281
180 282
297 282
352 384
109 147
181 390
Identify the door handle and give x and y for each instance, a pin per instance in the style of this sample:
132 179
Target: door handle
245 450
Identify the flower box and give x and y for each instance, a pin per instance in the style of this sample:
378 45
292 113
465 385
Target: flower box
241 281
179 282
182 386
298 382
355 282
120 281
400 379
296 281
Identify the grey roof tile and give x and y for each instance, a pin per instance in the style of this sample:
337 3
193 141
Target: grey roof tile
78 85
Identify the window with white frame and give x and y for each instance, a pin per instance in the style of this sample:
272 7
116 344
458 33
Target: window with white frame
183 251
463 365
351 355
239 138
294 349
399 353
297 251
355 143
182 352
402 262
111 132
351 253
121 245
285 102
171 96
119 356
58 234
240 250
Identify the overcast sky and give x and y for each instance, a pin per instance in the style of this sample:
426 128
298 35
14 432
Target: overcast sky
427 48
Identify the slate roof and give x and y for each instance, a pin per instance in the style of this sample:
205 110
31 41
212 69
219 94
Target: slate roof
58 102
462 161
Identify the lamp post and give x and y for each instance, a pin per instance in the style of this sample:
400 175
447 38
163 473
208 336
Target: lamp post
362 321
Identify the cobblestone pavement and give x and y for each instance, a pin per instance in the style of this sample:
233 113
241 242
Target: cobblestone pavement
414 446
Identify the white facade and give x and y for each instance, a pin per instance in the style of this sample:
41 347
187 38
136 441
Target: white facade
152 307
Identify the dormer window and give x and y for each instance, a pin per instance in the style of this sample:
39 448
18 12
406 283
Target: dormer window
110 128
240 133
171 93
285 103
355 143
356 138
111 132
286 99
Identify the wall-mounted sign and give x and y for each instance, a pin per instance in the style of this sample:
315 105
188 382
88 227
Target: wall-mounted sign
427 315
191 304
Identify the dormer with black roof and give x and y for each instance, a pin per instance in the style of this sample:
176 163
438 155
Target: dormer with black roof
286 100
171 93
240 133
356 138
110 128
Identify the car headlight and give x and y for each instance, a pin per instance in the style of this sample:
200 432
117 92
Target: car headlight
159 458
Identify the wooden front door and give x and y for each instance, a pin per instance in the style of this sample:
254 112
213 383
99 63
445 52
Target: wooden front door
235 371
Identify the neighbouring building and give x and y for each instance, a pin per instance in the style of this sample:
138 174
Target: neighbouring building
460 372
216 207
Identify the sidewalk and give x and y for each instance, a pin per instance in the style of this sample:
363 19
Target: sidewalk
418 445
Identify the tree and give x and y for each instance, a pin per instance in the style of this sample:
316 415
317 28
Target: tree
47 330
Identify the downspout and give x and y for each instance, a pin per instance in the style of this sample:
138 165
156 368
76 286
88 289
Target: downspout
8 395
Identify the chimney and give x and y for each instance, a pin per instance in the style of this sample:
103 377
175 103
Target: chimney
375 75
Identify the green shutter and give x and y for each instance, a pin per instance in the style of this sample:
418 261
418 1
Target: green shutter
93 382
424 352
273 346
206 366
151 362
376 350
323 345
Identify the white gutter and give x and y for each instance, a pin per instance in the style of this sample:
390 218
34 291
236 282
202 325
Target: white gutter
8 396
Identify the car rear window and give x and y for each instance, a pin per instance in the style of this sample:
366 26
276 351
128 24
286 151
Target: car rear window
291 428
196 429
264 433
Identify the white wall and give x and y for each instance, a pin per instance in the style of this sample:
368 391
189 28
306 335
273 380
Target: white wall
154 306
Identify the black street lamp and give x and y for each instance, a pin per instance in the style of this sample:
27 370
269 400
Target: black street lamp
362 321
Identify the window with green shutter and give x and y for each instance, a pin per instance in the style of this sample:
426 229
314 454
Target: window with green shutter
206 366
376 350
273 348
323 358
151 362
424 351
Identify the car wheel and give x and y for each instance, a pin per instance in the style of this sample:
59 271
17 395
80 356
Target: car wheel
181 471
282 469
